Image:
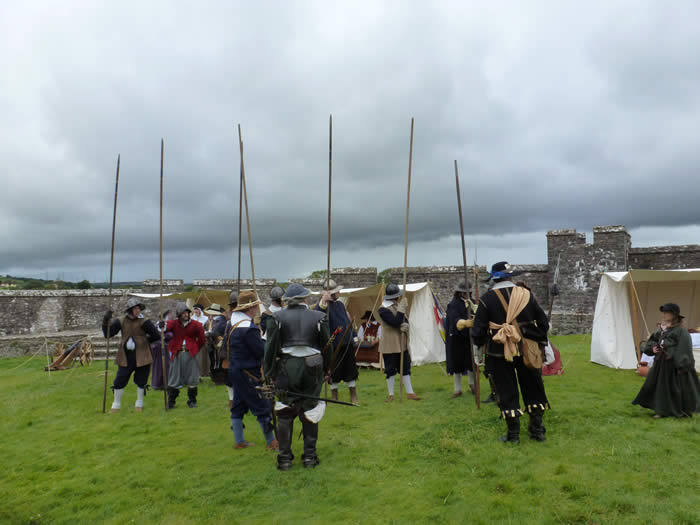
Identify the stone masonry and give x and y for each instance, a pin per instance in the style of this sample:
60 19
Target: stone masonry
27 312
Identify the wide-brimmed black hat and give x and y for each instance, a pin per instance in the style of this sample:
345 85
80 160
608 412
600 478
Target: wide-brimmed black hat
672 308
503 270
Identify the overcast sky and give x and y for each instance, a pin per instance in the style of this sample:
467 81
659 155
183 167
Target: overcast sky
560 114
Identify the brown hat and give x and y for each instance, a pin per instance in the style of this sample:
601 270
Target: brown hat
247 299
331 286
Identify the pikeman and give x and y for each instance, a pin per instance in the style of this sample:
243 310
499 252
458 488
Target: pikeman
394 341
188 338
294 360
134 354
244 343
458 339
507 316
275 306
342 359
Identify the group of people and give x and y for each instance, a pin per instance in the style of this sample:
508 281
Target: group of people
276 359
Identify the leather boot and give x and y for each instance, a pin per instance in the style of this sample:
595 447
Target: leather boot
172 396
310 429
353 396
513 434
192 397
284 437
536 427
490 399
334 394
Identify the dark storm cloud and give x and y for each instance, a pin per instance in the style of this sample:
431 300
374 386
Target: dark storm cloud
560 116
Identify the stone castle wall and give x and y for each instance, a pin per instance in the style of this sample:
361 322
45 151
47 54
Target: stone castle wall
580 267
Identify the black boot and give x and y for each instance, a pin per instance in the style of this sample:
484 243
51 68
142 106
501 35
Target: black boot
172 396
513 435
192 397
536 427
490 399
284 436
310 458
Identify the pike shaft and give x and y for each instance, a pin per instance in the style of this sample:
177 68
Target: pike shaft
111 275
160 299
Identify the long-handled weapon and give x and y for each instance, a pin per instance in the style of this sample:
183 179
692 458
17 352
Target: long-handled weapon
247 215
405 251
475 365
270 391
160 299
111 269
330 193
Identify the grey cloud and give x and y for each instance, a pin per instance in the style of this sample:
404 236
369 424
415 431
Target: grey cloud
559 116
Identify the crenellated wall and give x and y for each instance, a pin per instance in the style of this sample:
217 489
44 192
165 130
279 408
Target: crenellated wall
26 312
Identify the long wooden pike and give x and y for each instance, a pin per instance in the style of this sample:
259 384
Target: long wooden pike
240 215
330 193
475 366
111 274
247 215
160 299
405 250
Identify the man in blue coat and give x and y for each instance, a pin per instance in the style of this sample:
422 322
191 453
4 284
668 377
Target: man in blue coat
246 348
458 339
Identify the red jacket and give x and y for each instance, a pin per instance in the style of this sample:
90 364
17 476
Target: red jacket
192 334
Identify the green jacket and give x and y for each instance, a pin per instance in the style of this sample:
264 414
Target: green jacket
677 344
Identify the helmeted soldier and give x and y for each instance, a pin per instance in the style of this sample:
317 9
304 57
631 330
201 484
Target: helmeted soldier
188 338
276 295
458 342
342 356
134 353
296 337
395 341
504 348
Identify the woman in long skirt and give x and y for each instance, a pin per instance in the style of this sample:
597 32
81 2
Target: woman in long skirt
672 387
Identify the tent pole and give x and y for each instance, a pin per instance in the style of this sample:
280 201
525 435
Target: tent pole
635 320
641 310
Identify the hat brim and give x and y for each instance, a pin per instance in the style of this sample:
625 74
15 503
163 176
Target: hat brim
393 296
140 305
213 312
334 290
246 306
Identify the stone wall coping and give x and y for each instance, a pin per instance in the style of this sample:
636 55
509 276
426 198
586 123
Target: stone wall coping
610 229
93 292
567 232
666 249
232 282
166 282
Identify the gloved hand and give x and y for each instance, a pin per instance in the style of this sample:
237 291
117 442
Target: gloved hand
404 328
464 323
479 356
403 305
107 316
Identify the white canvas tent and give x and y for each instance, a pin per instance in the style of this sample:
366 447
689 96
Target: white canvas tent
627 309
427 344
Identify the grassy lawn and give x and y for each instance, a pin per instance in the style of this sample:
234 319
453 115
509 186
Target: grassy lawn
434 461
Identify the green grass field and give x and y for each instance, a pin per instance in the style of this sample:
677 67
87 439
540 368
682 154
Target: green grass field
434 461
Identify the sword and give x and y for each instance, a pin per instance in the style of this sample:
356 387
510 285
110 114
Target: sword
270 392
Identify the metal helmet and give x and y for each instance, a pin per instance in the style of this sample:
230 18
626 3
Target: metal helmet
392 291
233 298
182 308
276 293
462 287
134 301
331 286
296 291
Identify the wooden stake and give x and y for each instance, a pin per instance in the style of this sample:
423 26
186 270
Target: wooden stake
160 299
405 252
475 366
247 215
111 275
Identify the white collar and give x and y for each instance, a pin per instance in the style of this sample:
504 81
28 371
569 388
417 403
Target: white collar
387 303
503 284
240 317
275 308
